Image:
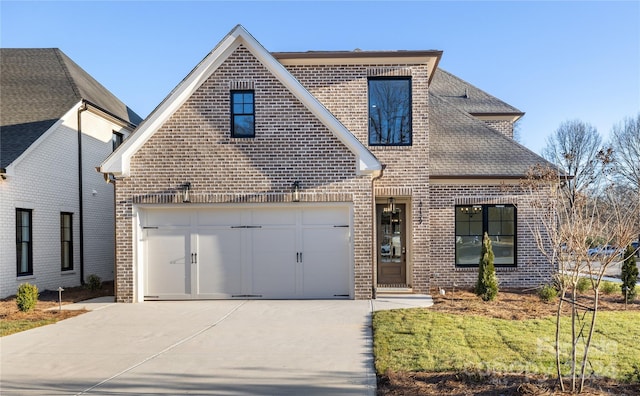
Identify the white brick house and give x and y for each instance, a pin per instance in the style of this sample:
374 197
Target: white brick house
55 117
319 175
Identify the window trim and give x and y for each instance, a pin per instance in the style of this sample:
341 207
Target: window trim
116 140
410 81
234 114
485 228
19 242
63 241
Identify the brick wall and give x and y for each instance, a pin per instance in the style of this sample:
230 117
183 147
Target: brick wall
342 89
502 126
46 181
290 144
532 269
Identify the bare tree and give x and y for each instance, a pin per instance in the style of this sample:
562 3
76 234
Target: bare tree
563 230
574 147
625 141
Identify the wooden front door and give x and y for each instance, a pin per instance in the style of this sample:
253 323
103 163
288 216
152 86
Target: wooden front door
391 244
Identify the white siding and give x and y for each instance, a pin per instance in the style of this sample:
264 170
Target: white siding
45 179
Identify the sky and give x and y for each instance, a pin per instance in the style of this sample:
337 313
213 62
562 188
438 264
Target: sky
553 60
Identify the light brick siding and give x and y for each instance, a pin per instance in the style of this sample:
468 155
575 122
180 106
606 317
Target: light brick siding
290 145
46 181
502 126
342 89
532 269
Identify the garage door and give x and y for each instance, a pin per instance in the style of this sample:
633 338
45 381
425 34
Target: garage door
272 253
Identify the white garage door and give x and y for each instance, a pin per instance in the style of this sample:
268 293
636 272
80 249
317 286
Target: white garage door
278 253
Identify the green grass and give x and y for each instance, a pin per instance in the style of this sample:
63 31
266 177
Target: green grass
423 340
8 327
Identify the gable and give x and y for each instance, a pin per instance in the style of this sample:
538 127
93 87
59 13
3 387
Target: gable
289 140
120 161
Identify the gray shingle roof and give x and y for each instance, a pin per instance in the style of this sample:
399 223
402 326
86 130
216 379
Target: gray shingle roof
466 96
460 145
37 87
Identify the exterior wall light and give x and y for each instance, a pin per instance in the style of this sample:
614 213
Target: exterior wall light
296 192
186 187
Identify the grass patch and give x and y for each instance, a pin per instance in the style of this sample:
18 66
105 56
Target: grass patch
16 326
423 340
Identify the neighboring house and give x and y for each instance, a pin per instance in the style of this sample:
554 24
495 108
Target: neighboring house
319 175
57 125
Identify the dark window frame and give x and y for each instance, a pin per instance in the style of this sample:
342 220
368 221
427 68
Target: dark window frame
370 105
66 240
243 113
116 140
485 227
20 242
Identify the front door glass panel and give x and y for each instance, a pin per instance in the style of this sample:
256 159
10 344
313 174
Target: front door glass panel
391 244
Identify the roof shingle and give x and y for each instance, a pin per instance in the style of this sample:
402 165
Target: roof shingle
37 87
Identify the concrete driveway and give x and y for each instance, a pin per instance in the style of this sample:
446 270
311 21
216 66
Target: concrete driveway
311 347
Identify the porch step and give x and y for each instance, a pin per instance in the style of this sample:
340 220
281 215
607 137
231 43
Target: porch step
394 289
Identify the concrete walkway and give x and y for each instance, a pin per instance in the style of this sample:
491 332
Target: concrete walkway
249 347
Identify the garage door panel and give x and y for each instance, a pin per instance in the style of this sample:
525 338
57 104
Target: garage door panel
274 262
219 262
273 217
219 217
271 252
326 271
325 216
168 263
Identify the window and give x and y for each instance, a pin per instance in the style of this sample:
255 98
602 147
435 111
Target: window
66 241
498 221
390 112
116 139
242 114
24 249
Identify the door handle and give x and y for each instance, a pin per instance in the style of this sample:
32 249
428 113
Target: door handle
194 258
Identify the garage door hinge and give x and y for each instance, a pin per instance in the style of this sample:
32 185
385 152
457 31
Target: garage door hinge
341 226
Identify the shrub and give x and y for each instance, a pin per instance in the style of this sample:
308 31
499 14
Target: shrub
629 275
487 285
607 287
27 297
583 285
94 282
548 293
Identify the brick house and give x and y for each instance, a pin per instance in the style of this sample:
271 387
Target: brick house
319 175
56 212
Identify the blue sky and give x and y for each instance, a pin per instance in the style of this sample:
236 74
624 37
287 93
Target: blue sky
555 61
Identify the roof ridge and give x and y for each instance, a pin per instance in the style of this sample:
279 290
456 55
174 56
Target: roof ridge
67 72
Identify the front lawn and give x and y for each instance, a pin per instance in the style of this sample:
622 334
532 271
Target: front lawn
422 340
462 343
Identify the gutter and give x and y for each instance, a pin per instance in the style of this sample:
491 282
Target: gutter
83 107
374 248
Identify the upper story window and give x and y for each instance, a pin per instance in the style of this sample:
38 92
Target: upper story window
242 114
498 221
24 248
390 111
116 139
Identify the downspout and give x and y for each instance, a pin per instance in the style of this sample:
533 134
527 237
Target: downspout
83 107
374 264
